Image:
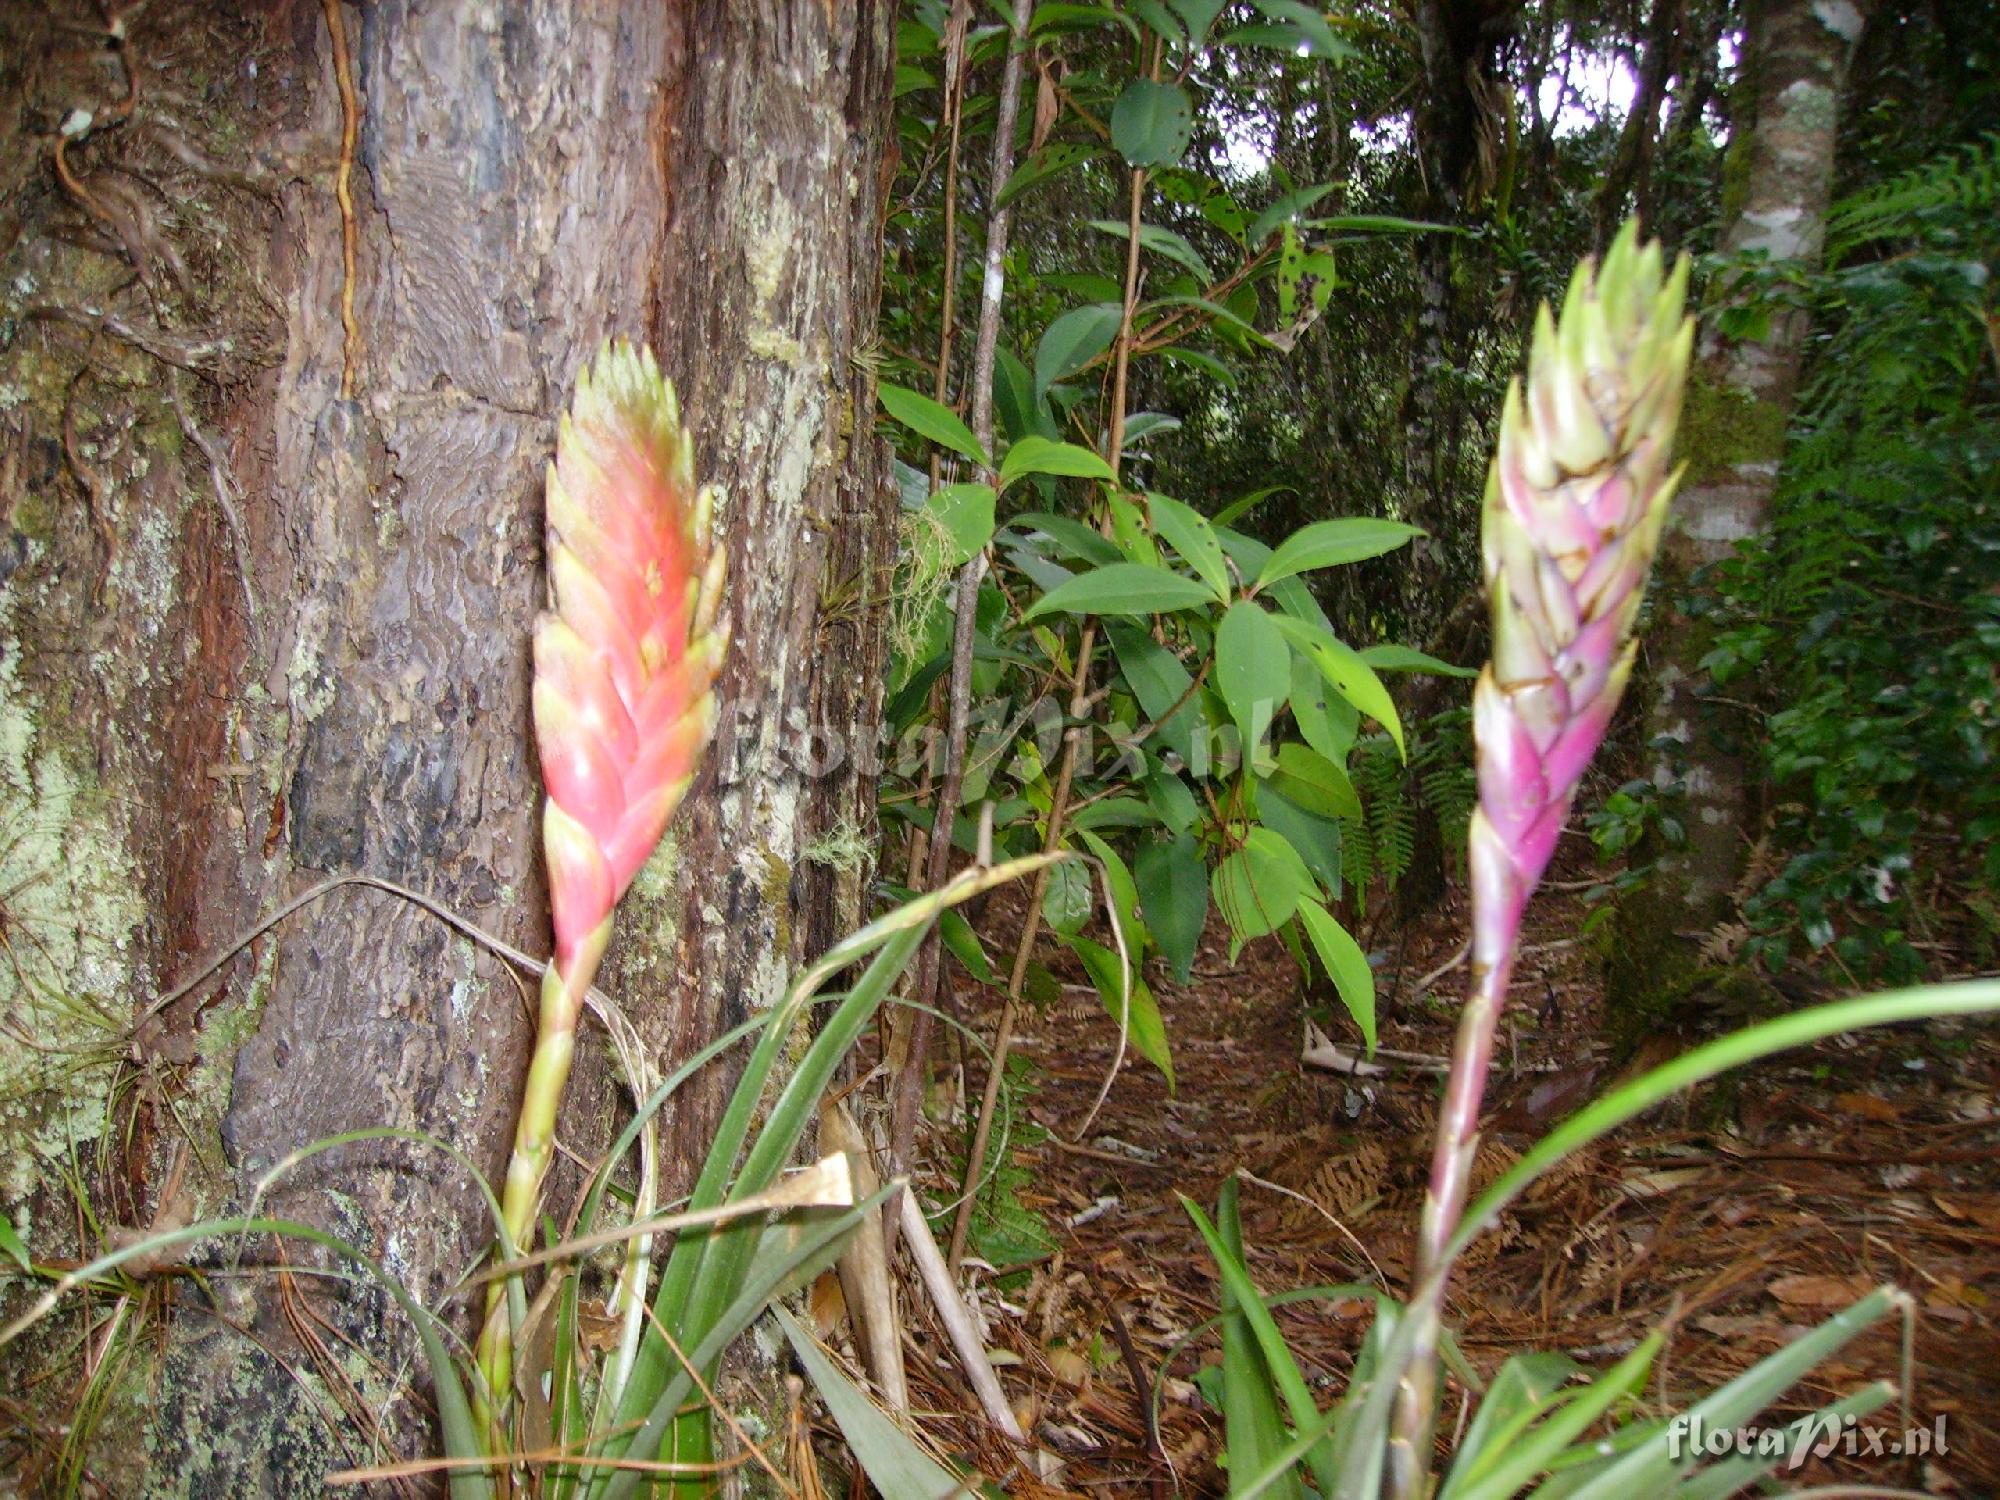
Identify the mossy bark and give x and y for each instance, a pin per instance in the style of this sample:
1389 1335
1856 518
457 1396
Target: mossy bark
1740 401
266 581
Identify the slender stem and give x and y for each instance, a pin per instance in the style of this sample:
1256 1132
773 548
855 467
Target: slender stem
996 1072
534 1146
965 605
941 382
1451 1174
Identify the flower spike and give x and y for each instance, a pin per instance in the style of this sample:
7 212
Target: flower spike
625 666
1575 502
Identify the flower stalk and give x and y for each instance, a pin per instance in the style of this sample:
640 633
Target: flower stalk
625 665
1576 498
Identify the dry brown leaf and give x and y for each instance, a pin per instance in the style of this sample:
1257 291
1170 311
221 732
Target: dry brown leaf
1869 1107
1737 1326
1827 1292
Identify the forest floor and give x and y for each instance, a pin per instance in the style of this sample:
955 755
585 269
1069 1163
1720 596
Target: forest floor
1740 1216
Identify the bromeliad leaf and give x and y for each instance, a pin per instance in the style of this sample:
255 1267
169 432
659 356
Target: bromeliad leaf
1350 676
1122 589
931 419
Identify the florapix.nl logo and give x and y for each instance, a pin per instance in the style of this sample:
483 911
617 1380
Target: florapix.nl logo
1822 1435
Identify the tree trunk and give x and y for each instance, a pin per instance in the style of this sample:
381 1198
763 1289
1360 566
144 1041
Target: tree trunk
266 583
1457 130
1740 401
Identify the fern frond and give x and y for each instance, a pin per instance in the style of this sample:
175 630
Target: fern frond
1966 178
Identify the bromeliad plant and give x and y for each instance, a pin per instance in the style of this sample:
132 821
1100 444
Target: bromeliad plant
1574 508
1575 503
624 667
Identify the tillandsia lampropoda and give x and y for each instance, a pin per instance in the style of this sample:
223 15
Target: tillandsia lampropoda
625 665
1575 501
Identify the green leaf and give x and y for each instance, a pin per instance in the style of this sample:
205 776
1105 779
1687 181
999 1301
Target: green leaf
1143 424
1173 893
1351 677
1124 894
1283 211
1163 23
1345 963
1071 537
1152 123
1260 885
895 1465
1161 242
1037 455
1116 812
1523 1387
1187 531
11 1246
1198 15
1016 402
1291 266
966 513
930 419
1129 529
1317 839
1169 796
1326 544
1125 996
1236 508
1049 19
1201 360
1121 589
1381 224
1242 1299
1052 159
1393 658
1308 22
1314 782
910 80
1074 340
1326 721
958 936
1067 902
1159 681
1253 671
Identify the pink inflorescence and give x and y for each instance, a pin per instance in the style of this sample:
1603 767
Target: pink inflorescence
1575 502
625 664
